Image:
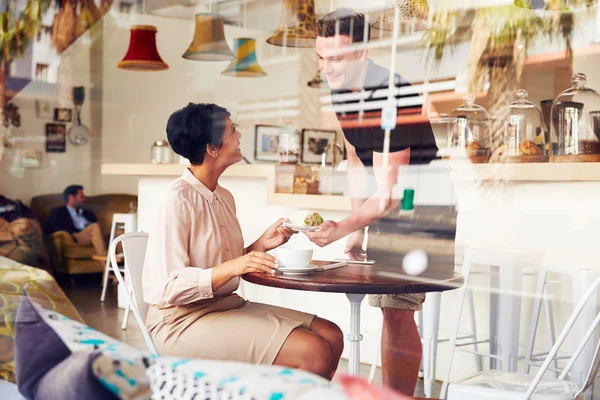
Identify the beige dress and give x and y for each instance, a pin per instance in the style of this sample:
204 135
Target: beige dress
194 231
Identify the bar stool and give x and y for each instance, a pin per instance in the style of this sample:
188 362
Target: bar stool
507 267
129 224
584 268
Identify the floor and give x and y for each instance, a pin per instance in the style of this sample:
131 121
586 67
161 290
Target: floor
84 292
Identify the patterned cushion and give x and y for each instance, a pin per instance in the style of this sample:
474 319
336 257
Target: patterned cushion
176 378
42 289
120 367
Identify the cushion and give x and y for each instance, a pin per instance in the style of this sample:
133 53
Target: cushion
42 290
119 366
33 362
73 379
176 378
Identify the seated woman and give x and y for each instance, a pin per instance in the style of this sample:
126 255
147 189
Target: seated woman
196 255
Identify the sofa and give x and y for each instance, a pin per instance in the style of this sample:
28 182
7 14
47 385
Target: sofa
67 256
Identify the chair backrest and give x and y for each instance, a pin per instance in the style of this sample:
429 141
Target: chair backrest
134 251
593 371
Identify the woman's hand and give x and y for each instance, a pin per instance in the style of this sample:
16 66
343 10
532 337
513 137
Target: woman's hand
254 261
354 244
274 236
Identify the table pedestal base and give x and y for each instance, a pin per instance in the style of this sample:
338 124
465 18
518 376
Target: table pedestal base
354 337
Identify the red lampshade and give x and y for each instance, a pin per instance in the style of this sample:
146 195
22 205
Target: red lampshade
142 54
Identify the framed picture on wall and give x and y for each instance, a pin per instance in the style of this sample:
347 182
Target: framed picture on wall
32 158
45 108
63 114
314 143
56 138
266 143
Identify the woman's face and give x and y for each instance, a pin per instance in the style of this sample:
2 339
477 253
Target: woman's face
230 151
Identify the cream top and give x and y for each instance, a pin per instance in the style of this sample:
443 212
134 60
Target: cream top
193 231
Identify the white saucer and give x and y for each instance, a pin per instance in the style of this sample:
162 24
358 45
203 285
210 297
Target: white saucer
301 228
297 271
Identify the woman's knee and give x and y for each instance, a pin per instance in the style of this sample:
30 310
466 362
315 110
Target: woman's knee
318 356
306 350
330 332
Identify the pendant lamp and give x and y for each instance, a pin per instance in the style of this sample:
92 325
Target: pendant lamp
245 64
142 54
413 16
208 43
317 81
298 26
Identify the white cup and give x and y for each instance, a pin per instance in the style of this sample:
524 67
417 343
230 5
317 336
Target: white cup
288 257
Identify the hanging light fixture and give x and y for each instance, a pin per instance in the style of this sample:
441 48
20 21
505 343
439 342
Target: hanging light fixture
317 81
413 16
142 54
298 26
245 64
208 43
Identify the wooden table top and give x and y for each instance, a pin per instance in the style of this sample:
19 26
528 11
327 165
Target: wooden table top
362 279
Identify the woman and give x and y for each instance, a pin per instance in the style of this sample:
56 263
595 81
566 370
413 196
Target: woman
196 255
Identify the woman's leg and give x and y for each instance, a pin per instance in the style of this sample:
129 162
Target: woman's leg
334 336
306 350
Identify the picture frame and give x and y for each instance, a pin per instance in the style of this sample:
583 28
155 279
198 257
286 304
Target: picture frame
314 141
63 114
266 142
32 158
44 108
56 138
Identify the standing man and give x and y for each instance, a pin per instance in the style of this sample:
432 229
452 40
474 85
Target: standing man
79 222
342 51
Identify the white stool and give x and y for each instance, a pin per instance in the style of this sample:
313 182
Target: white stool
584 268
129 223
506 279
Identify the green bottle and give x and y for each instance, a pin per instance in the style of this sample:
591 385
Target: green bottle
408 203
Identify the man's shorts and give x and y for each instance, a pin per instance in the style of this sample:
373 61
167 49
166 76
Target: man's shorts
412 302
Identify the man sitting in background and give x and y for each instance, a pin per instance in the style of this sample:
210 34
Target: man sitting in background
79 222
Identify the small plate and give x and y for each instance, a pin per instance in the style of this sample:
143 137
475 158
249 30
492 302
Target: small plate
297 271
301 228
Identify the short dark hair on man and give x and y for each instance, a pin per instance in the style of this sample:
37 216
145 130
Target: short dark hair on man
195 126
71 190
351 24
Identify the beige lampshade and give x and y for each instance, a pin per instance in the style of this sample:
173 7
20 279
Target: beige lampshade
298 25
245 64
209 42
413 16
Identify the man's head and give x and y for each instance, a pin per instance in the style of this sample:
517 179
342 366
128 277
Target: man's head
345 31
73 195
200 129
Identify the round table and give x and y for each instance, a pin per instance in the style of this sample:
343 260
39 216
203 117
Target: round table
356 281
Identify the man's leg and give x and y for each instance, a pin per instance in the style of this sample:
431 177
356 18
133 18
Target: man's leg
400 350
92 234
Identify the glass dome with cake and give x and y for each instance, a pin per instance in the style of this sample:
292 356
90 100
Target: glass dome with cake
524 131
575 120
470 135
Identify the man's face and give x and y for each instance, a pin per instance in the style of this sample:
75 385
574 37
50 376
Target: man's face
79 198
340 69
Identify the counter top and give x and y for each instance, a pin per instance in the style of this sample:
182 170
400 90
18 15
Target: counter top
580 172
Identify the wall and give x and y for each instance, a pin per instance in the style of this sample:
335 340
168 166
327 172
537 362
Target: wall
57 169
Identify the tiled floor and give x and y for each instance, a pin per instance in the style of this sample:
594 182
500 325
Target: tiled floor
107 317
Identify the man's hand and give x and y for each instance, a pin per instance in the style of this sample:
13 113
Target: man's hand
274 236
329 232
354 244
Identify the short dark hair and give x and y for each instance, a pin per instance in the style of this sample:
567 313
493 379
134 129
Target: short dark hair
351 24
71 190
195 126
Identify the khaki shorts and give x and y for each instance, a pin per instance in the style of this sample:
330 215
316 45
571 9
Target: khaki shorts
412 302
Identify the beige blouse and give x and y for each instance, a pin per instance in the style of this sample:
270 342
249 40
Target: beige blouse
193 231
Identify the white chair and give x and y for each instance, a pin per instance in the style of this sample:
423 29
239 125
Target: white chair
491 385
129 223
134 251
506 279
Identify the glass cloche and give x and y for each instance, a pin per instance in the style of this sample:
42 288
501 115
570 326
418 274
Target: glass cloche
524 133
471 131
575 120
